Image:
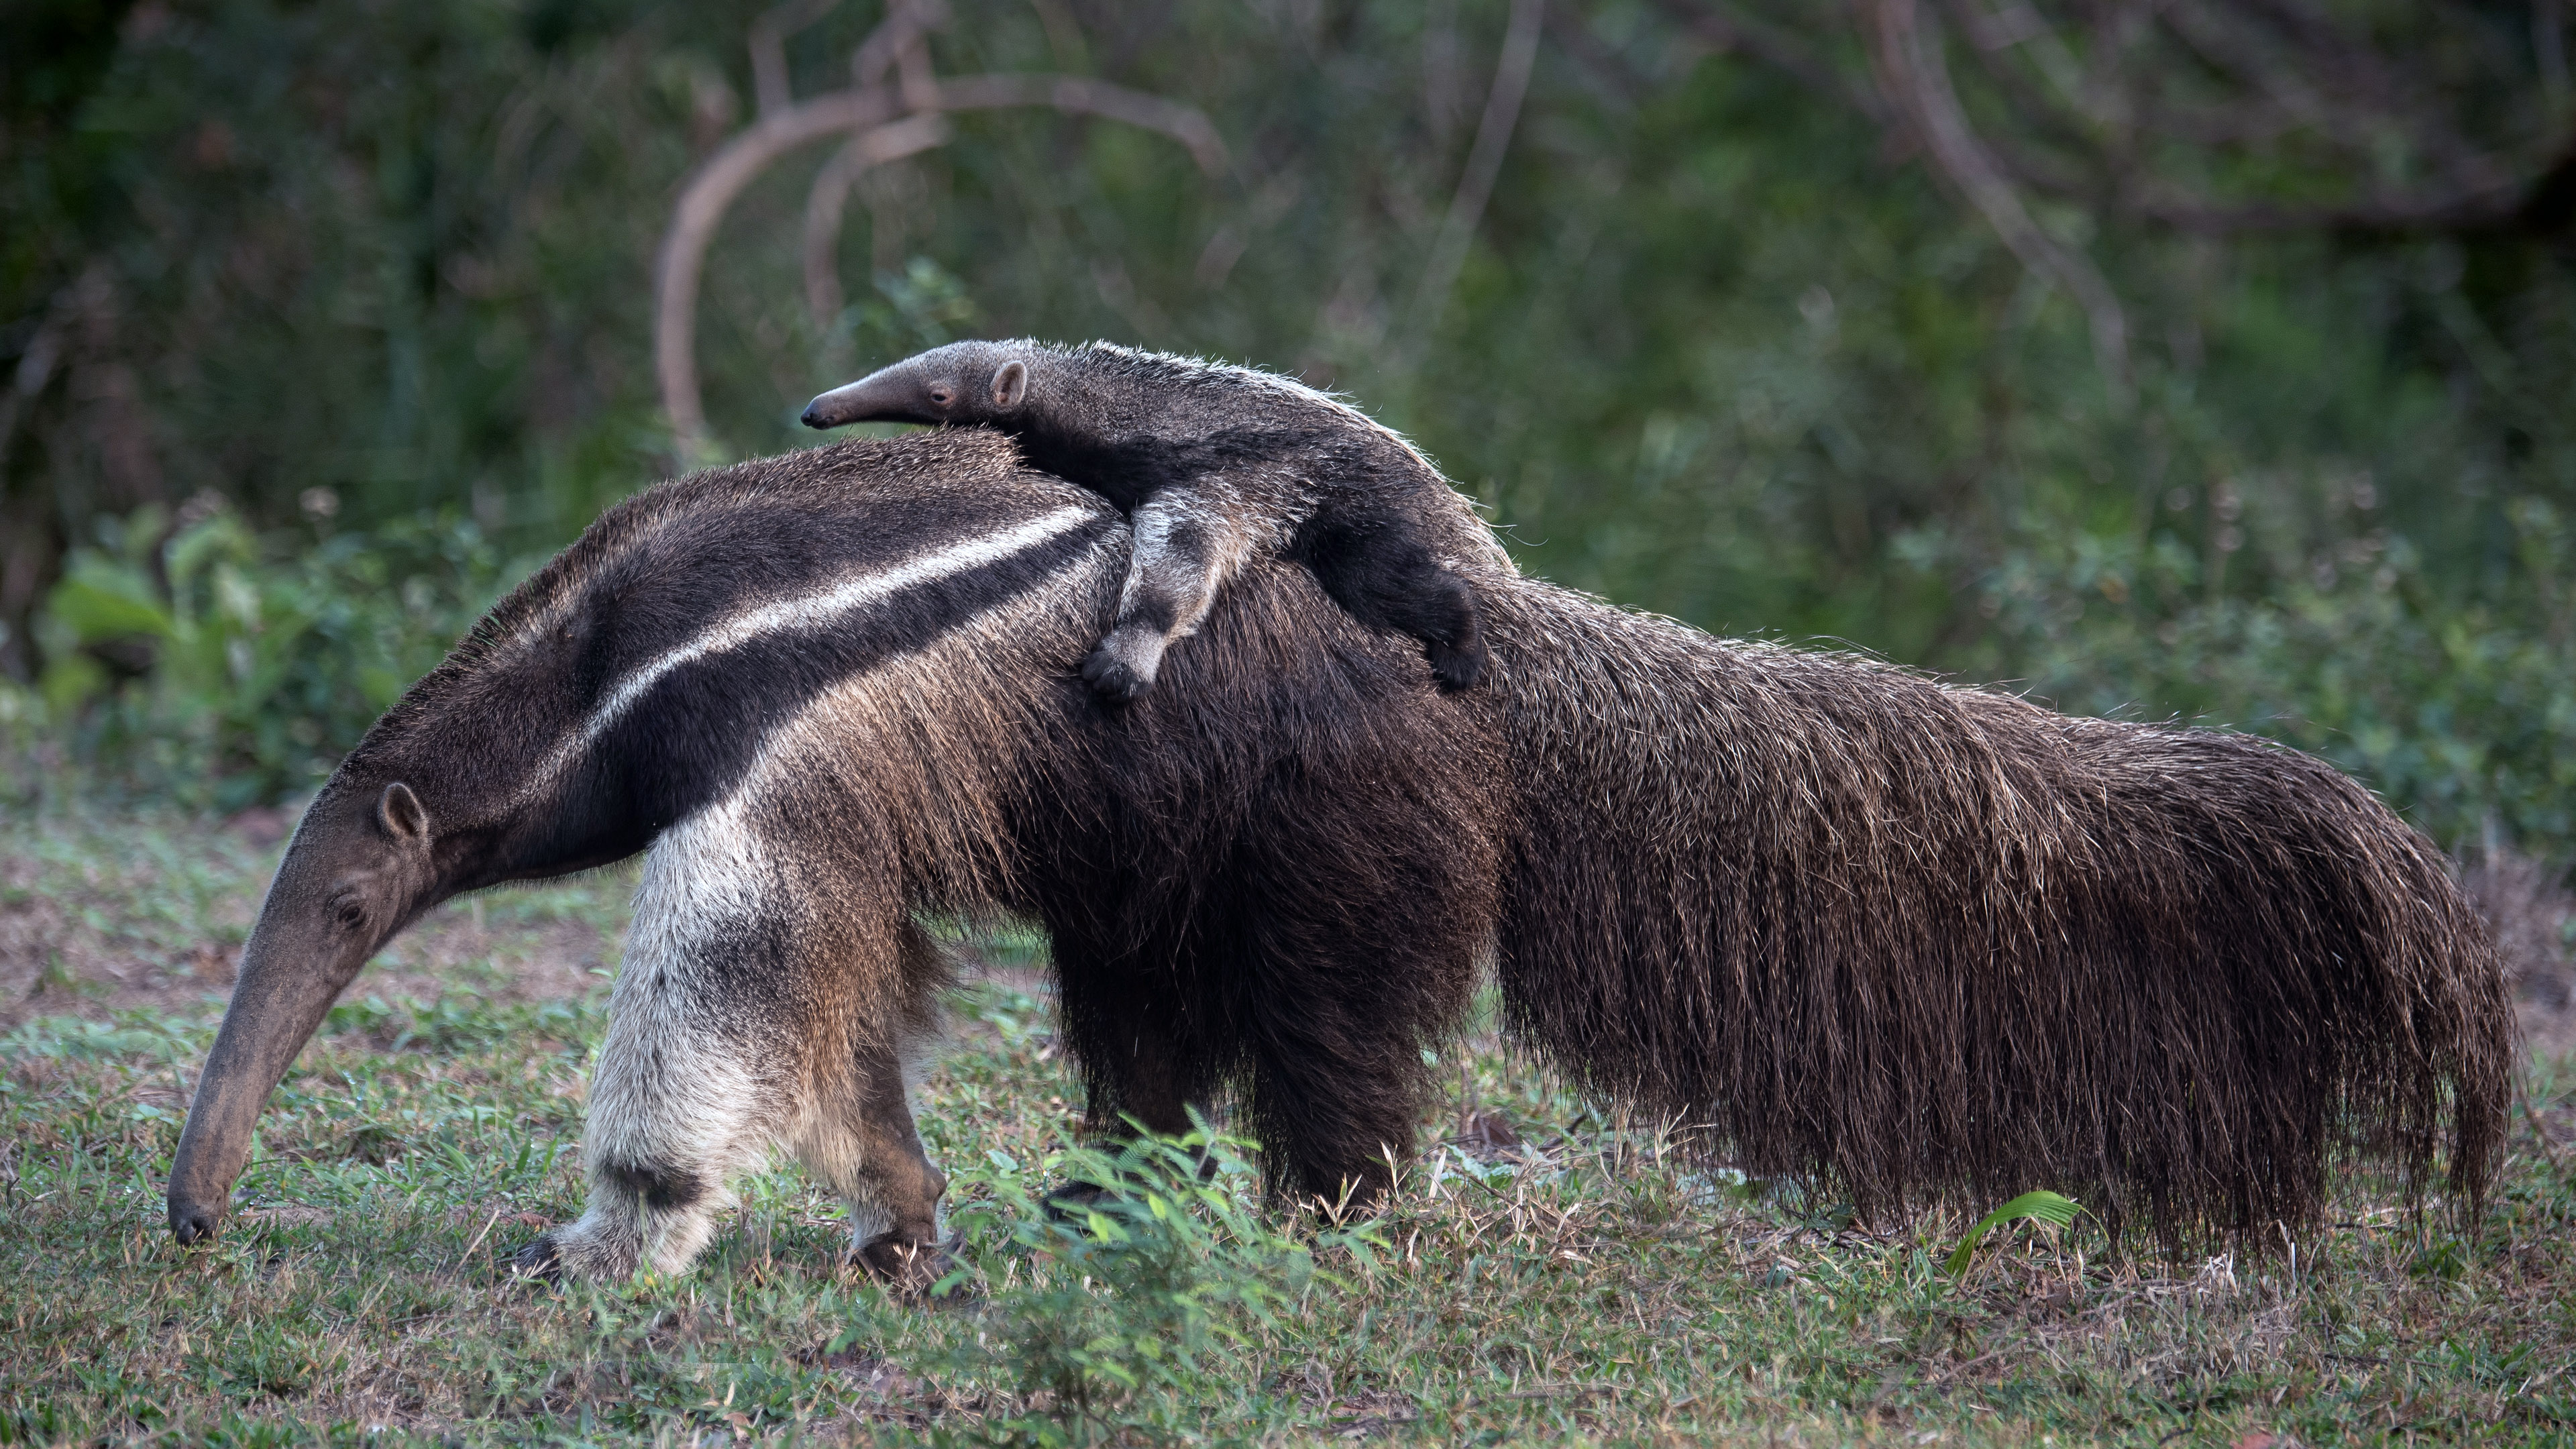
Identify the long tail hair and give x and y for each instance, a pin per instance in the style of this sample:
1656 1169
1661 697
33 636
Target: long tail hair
1855 927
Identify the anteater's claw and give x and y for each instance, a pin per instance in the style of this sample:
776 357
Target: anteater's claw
909 1267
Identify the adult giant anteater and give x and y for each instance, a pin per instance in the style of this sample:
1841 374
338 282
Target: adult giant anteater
1843 921
834 691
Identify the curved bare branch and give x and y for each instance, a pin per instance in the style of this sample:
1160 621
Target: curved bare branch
1484 159
768 45
703 200
830 194
1076 95
1911 68
2258 72
711 189
902 45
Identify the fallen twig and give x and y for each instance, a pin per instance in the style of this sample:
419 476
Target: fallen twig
478 1237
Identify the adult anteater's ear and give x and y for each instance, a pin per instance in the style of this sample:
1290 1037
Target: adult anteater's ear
1010 385
399 812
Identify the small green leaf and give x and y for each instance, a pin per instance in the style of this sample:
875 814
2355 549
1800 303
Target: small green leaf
102 603
2041 1206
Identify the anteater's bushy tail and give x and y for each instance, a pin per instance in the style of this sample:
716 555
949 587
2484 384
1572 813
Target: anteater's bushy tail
1859 928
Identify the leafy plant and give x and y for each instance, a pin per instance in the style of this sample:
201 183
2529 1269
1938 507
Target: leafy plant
204 662
2042 1206
1118 1308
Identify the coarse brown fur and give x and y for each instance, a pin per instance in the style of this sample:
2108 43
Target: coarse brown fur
1910 941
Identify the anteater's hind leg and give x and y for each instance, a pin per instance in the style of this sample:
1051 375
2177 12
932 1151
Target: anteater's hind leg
1363 922
1378 567
860 1139
1338 1084
1335 962
1141 1038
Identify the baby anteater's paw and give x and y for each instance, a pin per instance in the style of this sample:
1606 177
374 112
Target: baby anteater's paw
1122 668
1111 679
1456 666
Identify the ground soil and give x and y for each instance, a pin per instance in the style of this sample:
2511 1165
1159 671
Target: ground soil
72 942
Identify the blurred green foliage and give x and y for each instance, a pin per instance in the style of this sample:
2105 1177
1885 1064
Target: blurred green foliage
1723 348
198 665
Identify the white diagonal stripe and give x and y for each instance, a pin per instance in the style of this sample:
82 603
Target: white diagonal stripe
811 611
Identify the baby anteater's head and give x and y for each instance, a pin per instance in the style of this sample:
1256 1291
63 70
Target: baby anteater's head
963 382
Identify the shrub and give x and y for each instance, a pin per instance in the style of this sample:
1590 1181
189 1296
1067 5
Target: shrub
205 663
1122 1318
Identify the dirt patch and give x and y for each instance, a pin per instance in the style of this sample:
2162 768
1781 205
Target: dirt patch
2527 904
101 914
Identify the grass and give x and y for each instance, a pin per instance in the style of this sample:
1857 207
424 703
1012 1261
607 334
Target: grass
1545 1273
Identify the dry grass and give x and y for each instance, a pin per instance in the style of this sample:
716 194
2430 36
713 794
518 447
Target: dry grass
1545 1275
2533 914
150 915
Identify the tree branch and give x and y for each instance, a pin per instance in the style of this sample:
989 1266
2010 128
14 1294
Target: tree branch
1484 160
768 45
1909 60
902 45
829 197
890 123
1075 95
703 200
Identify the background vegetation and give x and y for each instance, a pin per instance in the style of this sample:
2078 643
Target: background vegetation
2191 359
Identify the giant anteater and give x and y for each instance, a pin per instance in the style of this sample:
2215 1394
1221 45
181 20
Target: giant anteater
833 692
1838 920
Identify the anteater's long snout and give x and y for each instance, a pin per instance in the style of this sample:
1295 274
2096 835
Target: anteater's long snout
885 396
342 889
291 972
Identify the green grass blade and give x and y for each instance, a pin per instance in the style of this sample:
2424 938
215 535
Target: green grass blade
2041 1206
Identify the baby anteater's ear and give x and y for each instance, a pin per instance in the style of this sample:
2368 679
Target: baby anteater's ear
1010 385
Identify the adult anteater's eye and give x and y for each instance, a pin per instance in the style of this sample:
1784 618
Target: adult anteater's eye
941 394
349 910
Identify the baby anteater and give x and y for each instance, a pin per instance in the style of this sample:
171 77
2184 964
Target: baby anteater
1214 465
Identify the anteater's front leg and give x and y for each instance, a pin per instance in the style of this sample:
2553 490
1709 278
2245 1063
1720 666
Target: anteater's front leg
681 1103
1188 542
748 1016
